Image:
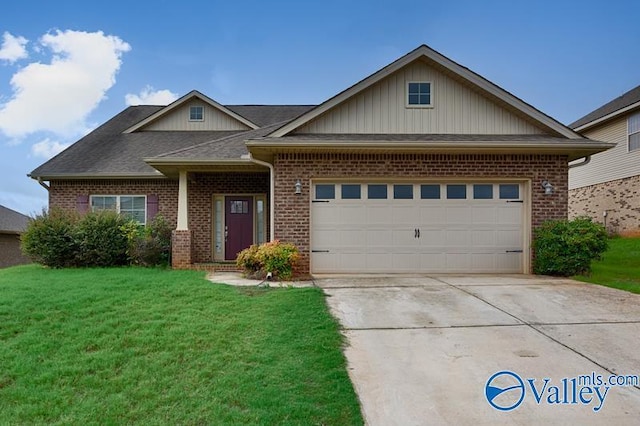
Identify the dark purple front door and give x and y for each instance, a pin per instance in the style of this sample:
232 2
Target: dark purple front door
239 225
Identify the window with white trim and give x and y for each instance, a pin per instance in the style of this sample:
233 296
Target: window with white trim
133 206
634 132
196 113
419 94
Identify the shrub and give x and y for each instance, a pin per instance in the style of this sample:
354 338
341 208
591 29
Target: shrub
100 240
275 257
567 248
149 245
49 238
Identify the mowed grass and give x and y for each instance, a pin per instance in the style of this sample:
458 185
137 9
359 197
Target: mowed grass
148 346
619 267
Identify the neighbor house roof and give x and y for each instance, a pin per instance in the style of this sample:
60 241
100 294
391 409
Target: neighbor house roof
620 105
12 222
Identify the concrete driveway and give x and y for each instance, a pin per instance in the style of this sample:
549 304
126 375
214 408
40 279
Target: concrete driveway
422 350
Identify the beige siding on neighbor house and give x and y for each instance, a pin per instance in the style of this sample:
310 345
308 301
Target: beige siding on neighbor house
615 163
214 119
456 109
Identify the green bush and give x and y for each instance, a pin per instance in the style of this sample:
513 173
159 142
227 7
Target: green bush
275 257
49 238
567 248
60 239
100 240
149 245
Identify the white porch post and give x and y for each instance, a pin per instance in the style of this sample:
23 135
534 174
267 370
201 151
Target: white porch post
183 203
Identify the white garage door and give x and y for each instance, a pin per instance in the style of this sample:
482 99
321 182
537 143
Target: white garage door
417 227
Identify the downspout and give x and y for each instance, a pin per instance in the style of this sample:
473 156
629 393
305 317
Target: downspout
272 201
586 161
42 184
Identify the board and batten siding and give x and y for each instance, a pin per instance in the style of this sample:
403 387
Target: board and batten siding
457 109
178 120
615 163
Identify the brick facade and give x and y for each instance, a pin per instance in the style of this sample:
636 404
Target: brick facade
619 198
292 211
181 249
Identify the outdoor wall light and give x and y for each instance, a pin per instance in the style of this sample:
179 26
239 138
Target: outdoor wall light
548 188
298 187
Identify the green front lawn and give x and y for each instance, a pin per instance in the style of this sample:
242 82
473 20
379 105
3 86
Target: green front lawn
149 346
619 267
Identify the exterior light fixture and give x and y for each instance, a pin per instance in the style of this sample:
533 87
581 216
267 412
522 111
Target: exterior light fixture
298 187
548 188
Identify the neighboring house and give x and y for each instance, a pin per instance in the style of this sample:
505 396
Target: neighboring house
424 166
12 225
608 187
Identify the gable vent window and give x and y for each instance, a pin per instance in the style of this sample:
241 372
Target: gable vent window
196 113
419 94
634 132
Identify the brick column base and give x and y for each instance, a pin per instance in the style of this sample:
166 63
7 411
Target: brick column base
181 249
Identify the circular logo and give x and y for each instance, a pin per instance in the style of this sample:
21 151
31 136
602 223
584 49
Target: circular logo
504 391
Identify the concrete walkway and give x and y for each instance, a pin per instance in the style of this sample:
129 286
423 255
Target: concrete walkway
421 350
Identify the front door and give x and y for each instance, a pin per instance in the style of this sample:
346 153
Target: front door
239 225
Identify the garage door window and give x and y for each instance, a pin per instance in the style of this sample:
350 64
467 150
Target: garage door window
456 192
403 192
509 192
483 192
430 192
377 192
351 192
325 192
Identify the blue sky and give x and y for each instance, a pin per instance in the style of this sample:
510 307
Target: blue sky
68 66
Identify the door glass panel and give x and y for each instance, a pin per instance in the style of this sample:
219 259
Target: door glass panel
509 191
260 221
403 192
218 225
456 192
325 192
430 192
350 192
483 192
239 207
377 192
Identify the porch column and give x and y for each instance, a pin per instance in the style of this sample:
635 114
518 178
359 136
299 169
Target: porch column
183 203
181 238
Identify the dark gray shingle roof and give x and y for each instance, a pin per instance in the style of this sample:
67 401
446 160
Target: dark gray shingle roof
629 98
108 151
11 221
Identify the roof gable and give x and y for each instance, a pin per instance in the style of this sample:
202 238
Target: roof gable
528 118
175 116
629 101
11 221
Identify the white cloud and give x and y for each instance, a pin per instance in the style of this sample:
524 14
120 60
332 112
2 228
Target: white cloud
58 96
149 96
13 48
47 148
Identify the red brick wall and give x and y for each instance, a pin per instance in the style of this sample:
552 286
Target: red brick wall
64 193
10 251
292 211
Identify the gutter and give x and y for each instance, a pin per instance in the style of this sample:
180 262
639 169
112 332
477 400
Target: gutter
42 184
586 160
272 188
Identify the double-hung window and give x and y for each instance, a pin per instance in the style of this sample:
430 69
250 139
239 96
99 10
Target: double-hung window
634 132
419 94
132 206
196 113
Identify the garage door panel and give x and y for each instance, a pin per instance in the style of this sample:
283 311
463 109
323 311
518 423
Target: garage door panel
417 235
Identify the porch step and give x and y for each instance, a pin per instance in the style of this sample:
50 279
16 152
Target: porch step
217 267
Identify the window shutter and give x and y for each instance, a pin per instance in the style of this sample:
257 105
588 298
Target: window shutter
82 203
152 206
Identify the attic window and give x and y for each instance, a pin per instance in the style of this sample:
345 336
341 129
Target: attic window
419 94
196 113
634 132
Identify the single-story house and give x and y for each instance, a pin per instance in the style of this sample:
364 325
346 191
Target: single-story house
608 187
12 225
423 166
